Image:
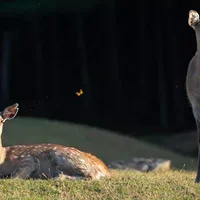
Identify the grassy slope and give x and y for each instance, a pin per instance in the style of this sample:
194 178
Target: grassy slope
127 185
104 144
108 146
188 144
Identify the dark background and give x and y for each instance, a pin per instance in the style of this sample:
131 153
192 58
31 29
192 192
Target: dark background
129 57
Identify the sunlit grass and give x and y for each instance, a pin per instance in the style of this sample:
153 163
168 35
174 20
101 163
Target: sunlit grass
131 185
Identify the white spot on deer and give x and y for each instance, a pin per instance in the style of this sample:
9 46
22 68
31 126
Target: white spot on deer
13 151
22 156
45 147
82 160
54 148
15 157
48 144
63 158
99 175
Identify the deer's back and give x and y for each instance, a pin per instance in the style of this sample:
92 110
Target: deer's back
51 159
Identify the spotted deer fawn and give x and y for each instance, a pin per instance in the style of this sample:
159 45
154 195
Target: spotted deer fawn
193 81
46 160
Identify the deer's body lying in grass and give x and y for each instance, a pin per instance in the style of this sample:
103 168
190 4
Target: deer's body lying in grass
46 160
193 80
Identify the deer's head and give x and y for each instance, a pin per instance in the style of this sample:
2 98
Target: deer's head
9 112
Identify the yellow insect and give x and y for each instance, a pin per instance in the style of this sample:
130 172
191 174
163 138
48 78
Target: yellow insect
79 93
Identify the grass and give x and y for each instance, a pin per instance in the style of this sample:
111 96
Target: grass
127 185
187 146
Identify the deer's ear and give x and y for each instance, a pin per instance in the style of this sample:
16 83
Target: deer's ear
10 112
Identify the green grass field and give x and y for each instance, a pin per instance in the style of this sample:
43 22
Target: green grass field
109 146
126 185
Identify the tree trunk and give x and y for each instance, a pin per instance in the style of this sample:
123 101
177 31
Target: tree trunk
113 63
162 86
55 68
4 68
175 70
143 98
86 110
40 105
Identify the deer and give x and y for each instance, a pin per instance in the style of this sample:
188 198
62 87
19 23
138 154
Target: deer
193 81
46 161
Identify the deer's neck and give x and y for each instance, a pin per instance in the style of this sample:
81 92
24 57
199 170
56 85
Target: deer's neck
1 131
2 149
1 143
197 32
